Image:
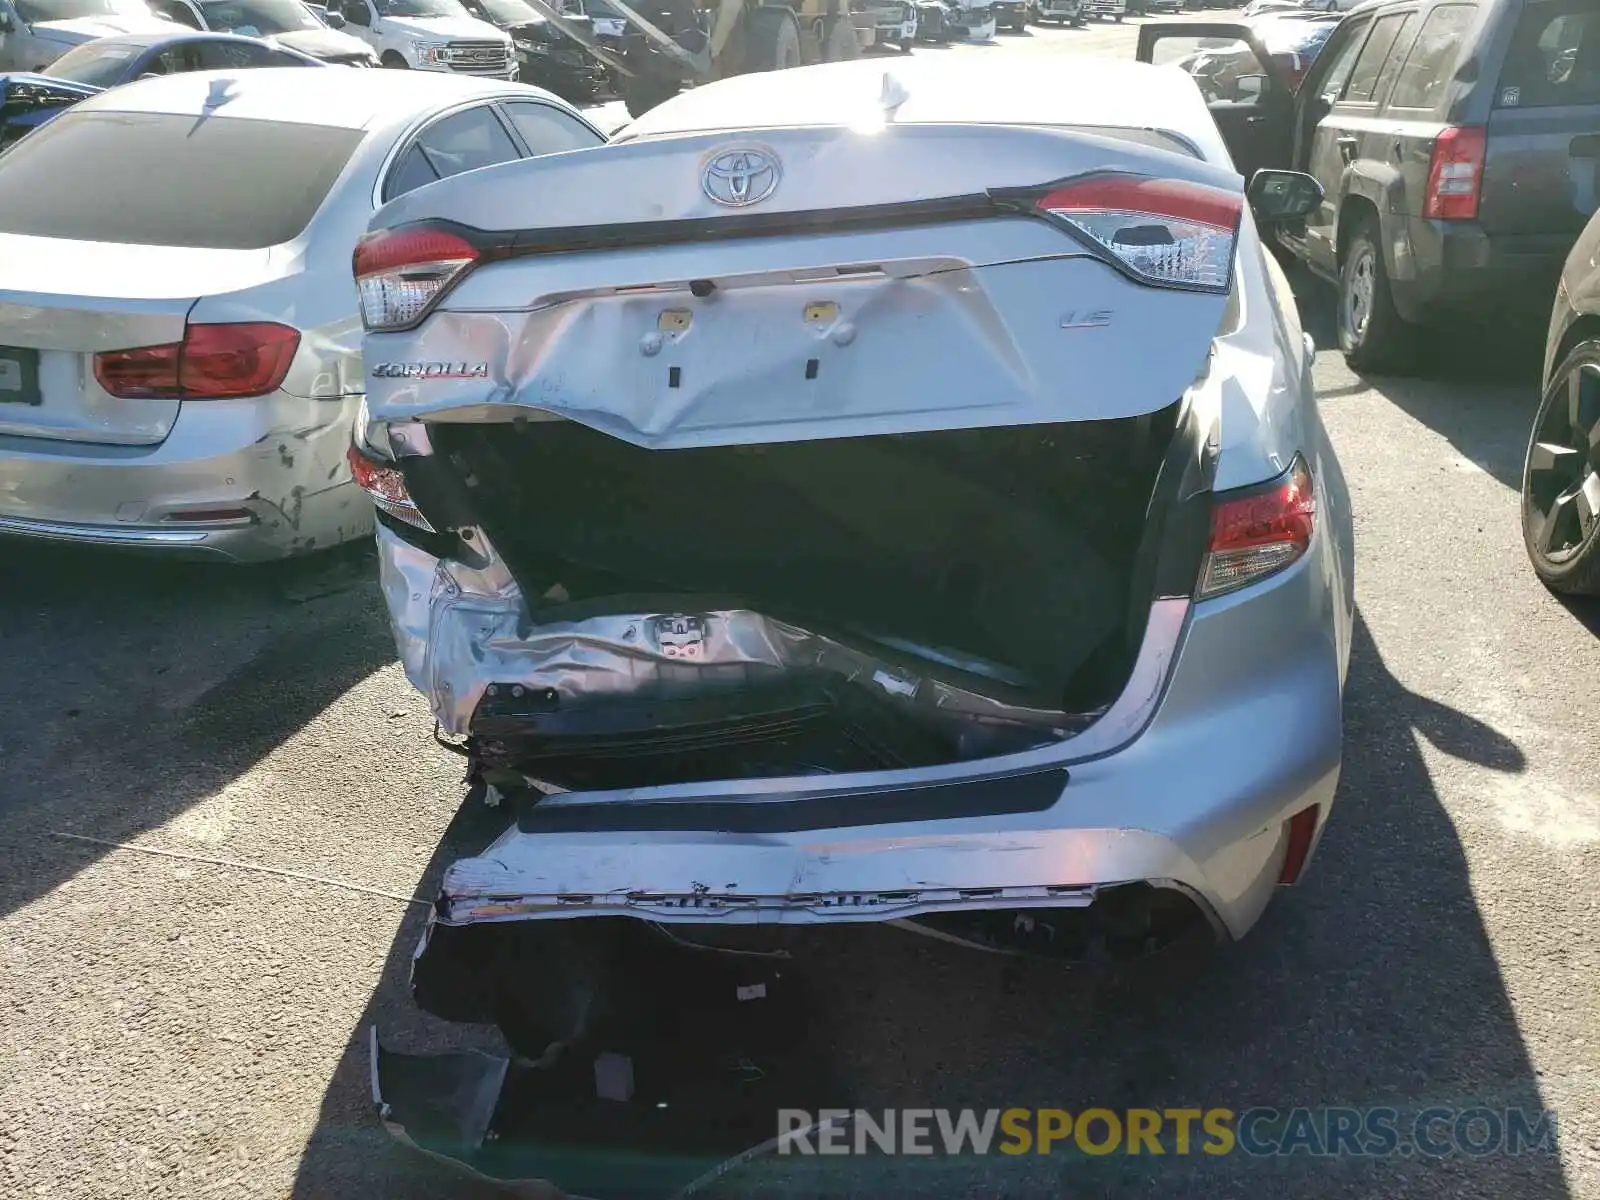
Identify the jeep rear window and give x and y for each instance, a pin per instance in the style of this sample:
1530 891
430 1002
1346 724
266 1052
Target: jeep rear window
1555 56
226 183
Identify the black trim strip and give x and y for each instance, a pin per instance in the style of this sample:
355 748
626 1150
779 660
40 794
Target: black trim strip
564 239
1005 796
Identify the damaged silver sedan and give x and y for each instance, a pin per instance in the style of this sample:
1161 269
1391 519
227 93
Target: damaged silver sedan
179 345
855 496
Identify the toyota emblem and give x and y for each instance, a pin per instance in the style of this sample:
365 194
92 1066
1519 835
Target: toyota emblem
740 177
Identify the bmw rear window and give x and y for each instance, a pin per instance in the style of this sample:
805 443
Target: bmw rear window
158 179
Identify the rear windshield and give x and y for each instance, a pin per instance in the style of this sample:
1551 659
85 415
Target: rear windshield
101 63
1555 56
155 179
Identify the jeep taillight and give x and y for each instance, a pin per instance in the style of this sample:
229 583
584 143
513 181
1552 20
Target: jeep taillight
1455 174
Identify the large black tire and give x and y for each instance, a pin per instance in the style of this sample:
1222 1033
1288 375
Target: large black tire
1371 332
1561 479
641 93
771 40
392 59
839 42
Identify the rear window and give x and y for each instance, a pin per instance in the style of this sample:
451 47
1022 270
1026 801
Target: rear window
1555 56
225 183
1427 72
100 63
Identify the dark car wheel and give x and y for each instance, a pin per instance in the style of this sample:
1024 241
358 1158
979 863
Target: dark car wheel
1561 477
1371 333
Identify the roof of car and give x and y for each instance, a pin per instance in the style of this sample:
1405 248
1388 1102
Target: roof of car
340 98
177 35
941 89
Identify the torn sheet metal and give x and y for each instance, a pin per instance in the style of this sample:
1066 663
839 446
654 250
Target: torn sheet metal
460 631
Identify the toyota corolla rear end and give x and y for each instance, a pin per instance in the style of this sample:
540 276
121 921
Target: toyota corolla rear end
173 375
809 527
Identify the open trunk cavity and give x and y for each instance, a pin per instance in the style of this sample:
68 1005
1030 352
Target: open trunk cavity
1016 565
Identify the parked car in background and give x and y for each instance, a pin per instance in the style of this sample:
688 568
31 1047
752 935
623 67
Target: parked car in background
933 24
546 56
1013 14
971 20
180 365
429 35
894 21
27 101
1457 147
1115 9
1561 474
1032 555
1260 8
1062 12
283 22
34 33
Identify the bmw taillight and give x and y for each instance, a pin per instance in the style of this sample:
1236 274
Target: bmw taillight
1166 232
383 482
1258 531
212 362
402 273
1455 173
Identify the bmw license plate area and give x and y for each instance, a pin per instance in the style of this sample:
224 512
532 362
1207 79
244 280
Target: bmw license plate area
19 376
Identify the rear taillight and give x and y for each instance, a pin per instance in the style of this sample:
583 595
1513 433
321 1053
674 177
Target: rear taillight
402 273
1259 531
213 362
1455 174
384 483
1167 232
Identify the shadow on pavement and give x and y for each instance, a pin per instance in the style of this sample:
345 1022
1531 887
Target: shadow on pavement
1488 425
136 687
1370 984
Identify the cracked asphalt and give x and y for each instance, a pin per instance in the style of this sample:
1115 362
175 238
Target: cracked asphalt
194 1026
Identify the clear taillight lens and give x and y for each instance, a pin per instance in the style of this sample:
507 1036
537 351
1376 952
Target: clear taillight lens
1167 232
1259 531
384 483
402 273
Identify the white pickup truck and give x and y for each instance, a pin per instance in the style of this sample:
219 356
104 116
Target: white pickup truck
1115 9
429 35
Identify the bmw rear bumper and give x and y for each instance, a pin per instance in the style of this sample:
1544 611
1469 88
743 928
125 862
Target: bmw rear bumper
247 480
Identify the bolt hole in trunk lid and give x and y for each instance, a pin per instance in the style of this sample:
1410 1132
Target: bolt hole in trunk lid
940 439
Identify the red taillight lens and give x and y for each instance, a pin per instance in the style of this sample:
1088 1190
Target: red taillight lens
1455 174
401 273
1167 232
1260 532
384 483
213 362
1302 830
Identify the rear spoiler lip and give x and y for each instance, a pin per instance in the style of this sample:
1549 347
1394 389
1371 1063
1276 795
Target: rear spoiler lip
497 245
504 245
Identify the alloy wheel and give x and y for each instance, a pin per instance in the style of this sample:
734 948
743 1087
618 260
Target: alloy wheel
1561 493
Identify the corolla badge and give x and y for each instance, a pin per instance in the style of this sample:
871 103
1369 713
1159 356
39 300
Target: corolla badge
742 176
430 370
